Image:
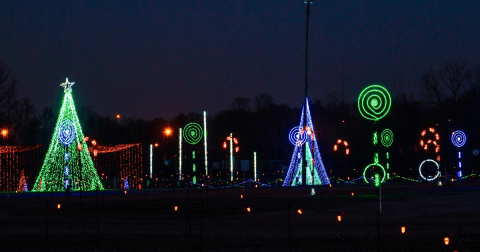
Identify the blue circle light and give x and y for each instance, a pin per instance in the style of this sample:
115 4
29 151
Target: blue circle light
67 132
295 137
459 138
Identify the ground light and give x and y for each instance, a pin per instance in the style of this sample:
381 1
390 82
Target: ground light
446 240
58 206
339 217
403 229
248 209
241 196
176 208
353 194
299 211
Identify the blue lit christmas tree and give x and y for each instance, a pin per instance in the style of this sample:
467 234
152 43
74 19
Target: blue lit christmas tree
314 159
67 165
125 184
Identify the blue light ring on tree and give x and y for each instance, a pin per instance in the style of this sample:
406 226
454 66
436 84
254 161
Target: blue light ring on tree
459 138
67 132
420 169
192 133
374 102
379 165
295 137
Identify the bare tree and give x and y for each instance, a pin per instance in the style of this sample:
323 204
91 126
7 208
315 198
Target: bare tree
241 104
263 101
432 90
455 78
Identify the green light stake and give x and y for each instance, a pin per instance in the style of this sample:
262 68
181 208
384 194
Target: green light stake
194 168
377 180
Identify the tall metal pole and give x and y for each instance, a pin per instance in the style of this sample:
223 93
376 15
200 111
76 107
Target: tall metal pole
304 172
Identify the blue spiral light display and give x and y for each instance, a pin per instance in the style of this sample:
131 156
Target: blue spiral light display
459 138
67 132
295 137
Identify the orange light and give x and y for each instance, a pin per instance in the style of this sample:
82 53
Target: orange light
431 130
429 141
58 206
438 158
437 149
345 143
446 240
125 191
79 147
330 185
224 145
241 196
85 139
237 149
421 142
424 132
95 153
257 185
176 208
248 209
228 138
426 146
235 140
437 136
4 132
168 131
347 151
339 141
353 194
403 229
94 143
339 218
156 144
299 211
335 148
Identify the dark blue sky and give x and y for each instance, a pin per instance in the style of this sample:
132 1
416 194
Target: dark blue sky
158 58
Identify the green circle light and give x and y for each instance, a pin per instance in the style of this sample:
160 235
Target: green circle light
192 133
370 165
386 138
374 102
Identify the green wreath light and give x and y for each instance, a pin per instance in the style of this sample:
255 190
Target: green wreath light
192 133
379 165
374 102
386 138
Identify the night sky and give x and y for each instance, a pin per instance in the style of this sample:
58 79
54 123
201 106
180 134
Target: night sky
158 58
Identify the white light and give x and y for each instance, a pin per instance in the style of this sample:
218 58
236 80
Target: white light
205 141
180 154
420 169
231 157
255 165
459 154
151 155
459 164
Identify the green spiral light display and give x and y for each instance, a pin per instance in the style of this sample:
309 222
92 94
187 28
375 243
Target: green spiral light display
374 102
192 133
387 138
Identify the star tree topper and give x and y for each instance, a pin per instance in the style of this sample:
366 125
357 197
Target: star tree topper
67 85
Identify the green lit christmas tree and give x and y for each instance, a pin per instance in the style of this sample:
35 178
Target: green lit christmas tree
67 165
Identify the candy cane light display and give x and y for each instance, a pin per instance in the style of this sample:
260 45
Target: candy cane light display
430 140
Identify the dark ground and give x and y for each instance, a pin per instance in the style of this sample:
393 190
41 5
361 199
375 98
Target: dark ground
146 221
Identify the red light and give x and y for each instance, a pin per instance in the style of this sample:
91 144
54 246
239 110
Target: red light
58 206
335 148
424 132
176 208
339 218
345 143
224 145
431 130
248 209
446 240
237 149
403 229
347 151
299 211
339 141
94 143
85 139
235 140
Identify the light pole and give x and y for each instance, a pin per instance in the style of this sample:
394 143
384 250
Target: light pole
304 172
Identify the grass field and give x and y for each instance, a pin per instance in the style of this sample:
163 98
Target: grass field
145 220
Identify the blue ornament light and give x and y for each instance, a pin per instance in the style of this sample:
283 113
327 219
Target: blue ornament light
67 132
296 137
459 138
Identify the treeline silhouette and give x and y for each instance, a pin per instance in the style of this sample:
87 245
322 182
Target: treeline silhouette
449 101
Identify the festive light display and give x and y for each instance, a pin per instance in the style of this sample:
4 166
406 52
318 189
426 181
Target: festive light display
297 136
192 133
386 138
75 170
255 166
374 167
180 154
314 159
231 156
125 184
437 172
194 168
430 137
151 159
17 159
339 143
22 186
458 139
205 140
377 180
374 102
